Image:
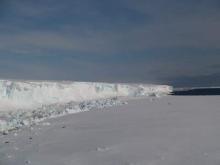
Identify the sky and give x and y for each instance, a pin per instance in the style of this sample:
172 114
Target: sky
175 42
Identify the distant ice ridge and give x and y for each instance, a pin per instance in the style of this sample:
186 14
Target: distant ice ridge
32 94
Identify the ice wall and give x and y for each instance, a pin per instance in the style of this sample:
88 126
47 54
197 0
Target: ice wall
32 94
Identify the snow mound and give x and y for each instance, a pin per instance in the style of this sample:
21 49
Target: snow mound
33 94
16 119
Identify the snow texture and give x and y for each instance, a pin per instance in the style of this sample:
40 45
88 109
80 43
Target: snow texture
172 130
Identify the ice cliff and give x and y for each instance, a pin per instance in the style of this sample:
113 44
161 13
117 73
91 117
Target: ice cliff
29 94
24 103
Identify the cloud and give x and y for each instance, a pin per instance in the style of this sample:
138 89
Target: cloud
120 40
192 26
206 80
179 34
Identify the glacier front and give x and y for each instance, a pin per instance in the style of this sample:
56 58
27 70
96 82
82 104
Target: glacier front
33 94
24 103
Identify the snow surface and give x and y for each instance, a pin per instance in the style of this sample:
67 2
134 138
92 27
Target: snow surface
172 130
24 103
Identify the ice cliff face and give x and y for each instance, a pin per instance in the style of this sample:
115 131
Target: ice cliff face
24 103
26 94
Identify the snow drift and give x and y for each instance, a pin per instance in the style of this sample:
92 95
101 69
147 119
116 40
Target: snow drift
33 94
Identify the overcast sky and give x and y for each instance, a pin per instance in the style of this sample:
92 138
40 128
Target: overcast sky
173 42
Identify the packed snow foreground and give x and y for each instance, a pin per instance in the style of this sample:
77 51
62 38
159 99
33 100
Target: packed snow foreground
28 102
